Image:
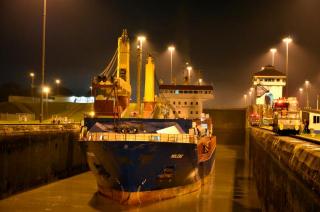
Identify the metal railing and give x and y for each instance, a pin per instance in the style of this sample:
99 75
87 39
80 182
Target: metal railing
21 117
178 138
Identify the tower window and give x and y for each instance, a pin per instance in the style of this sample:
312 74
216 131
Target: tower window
191 103
191 112
123 73
196 112
185 103
197 103
174 103
179 111
179 103
174 112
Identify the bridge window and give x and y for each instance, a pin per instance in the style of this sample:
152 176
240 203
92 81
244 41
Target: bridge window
316 119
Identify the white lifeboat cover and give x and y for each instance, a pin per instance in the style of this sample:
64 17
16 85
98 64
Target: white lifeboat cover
170 130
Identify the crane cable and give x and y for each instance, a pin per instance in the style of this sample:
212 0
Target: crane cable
111 64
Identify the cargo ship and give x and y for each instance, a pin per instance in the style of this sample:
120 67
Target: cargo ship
156 150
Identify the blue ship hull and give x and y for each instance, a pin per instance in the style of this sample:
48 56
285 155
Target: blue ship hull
124 168
143 166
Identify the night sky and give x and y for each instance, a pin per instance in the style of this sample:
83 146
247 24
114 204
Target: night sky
227 41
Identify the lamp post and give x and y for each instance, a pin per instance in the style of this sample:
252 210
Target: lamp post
43 55
90 90
245 99
200 81
46 91
300 95
58 84
139 69
32 83
287 40
189 68
171 49
307 83
250 100
273 52
253 94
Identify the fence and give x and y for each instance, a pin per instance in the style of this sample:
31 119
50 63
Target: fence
179 138
23 117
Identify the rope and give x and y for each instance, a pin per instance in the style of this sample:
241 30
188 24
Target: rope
111 64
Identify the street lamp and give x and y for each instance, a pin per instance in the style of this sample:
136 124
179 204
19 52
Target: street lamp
250 100
139 68
307 83
287 40
46 91
171 49
252 92
300 95
58 83
200 81
43 54
273 52
90 90
189 68
32 83
245 99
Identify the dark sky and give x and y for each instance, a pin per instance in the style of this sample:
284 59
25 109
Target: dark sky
227 40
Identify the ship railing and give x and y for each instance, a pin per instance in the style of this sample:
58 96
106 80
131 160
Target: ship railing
106 136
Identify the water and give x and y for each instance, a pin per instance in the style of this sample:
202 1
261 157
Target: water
230 187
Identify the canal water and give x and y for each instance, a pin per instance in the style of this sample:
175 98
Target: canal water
230 187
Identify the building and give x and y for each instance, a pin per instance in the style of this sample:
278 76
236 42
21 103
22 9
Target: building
313 117
186 101
268 84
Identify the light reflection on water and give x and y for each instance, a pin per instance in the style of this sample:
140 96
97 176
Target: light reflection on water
229 188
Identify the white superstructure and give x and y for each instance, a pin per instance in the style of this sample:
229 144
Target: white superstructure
185 101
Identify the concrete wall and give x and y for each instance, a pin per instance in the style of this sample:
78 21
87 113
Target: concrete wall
287 172
32 158
228 118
